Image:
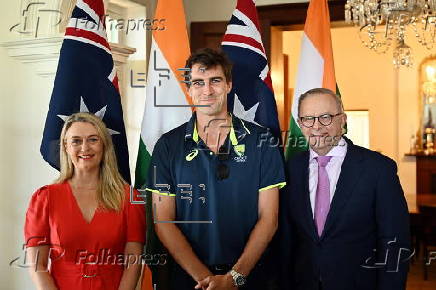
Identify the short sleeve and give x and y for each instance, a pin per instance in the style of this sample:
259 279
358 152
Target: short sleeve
272 173
36 226
136 218
159 178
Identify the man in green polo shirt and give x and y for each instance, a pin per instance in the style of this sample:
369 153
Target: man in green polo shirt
215 182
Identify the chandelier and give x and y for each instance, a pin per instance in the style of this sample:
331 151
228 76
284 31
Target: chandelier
384 22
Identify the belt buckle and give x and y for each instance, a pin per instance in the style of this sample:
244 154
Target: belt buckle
221 267
93 269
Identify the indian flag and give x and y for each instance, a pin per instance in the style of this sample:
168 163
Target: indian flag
167 104
316 68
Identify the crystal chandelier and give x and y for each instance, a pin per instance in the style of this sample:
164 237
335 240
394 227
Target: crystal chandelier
383 22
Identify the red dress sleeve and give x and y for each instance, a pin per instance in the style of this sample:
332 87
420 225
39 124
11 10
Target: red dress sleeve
36 226
136 227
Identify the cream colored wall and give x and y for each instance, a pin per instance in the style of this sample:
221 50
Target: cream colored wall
213 10
24 101
368 81
208 10
273 2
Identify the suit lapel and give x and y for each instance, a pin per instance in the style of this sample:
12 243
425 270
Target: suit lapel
308 221
350 171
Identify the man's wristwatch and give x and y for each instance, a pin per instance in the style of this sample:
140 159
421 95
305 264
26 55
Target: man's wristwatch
238 279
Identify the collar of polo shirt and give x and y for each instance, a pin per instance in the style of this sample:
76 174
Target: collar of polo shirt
233 137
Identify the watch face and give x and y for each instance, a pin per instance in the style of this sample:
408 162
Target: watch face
240 281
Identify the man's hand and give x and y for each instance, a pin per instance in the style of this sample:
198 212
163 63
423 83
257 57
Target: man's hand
217 282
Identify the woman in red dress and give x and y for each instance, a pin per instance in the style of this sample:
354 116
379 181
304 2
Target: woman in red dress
82 232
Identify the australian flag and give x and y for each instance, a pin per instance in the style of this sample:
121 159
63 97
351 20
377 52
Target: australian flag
86 81
252 96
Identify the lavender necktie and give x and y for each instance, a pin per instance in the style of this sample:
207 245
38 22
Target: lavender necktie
322 198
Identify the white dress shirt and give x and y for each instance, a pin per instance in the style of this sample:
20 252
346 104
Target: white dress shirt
333 169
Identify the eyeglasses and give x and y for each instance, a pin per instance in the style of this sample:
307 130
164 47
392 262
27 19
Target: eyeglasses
324 120
222 169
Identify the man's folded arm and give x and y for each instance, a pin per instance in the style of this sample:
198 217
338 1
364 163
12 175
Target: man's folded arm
174 240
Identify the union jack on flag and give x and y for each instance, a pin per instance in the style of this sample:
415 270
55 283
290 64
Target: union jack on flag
252 96
86 81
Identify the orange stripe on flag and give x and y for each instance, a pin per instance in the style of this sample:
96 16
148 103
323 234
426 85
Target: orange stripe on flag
317 29
173 41
146 283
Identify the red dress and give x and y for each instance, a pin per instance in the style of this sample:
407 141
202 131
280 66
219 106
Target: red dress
83 255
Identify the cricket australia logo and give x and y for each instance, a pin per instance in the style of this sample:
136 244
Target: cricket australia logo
240 151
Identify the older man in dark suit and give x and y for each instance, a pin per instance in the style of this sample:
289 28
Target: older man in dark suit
344 220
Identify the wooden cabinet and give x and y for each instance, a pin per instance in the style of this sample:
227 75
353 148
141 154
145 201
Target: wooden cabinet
426 174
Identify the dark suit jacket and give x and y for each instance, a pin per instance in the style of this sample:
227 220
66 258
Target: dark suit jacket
367 222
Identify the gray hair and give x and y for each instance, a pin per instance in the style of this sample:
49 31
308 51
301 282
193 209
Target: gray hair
321 91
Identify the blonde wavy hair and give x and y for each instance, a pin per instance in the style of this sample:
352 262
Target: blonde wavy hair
110 191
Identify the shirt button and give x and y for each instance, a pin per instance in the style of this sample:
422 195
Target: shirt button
210 153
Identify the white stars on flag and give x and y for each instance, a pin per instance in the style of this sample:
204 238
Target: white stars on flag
84 109
240 112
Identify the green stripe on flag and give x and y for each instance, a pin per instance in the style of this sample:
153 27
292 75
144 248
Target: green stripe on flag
339 94
296 141
153 246
142 164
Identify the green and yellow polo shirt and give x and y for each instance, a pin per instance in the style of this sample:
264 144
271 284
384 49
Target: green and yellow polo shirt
216 216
